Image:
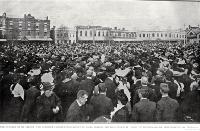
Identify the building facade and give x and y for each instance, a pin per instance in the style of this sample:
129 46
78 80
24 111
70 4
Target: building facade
122 35
27 28
168 35
64 35
93 34
193 34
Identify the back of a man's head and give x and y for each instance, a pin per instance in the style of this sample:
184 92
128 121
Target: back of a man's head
164 88
81 93
102 87
144 93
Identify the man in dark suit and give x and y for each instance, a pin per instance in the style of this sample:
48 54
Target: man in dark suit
48 105
88 84
151 92
167 108
144 110
190 107
67 91
75 112
29 108
102 105
111 87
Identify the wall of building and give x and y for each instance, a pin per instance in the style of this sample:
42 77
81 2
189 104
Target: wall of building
65 35
3 26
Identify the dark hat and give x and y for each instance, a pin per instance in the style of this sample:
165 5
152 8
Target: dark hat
47 86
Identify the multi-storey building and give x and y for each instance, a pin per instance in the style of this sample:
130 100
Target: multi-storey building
3 27
65 35
25 29
93 34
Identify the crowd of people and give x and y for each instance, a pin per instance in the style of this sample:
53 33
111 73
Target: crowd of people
100 82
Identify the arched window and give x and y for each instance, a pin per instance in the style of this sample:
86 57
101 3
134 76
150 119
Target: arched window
177 35
140 35
103 33
157 34
99 33
90 33
153 35
85 33
161 35
143 35
165 35
80 33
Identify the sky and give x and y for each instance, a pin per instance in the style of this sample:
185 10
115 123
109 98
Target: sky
130 14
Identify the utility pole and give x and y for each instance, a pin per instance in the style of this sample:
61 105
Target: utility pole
93 29
184 35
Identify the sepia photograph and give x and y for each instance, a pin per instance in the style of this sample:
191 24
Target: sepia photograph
100 62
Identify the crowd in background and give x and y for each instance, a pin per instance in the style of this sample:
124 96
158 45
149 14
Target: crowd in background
100 82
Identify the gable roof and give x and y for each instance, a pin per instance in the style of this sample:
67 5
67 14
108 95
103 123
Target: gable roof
195 31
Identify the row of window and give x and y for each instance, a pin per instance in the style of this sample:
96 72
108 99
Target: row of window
162 35
127 35
29 24
29 33
96 33
65 41
65 35
99 33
